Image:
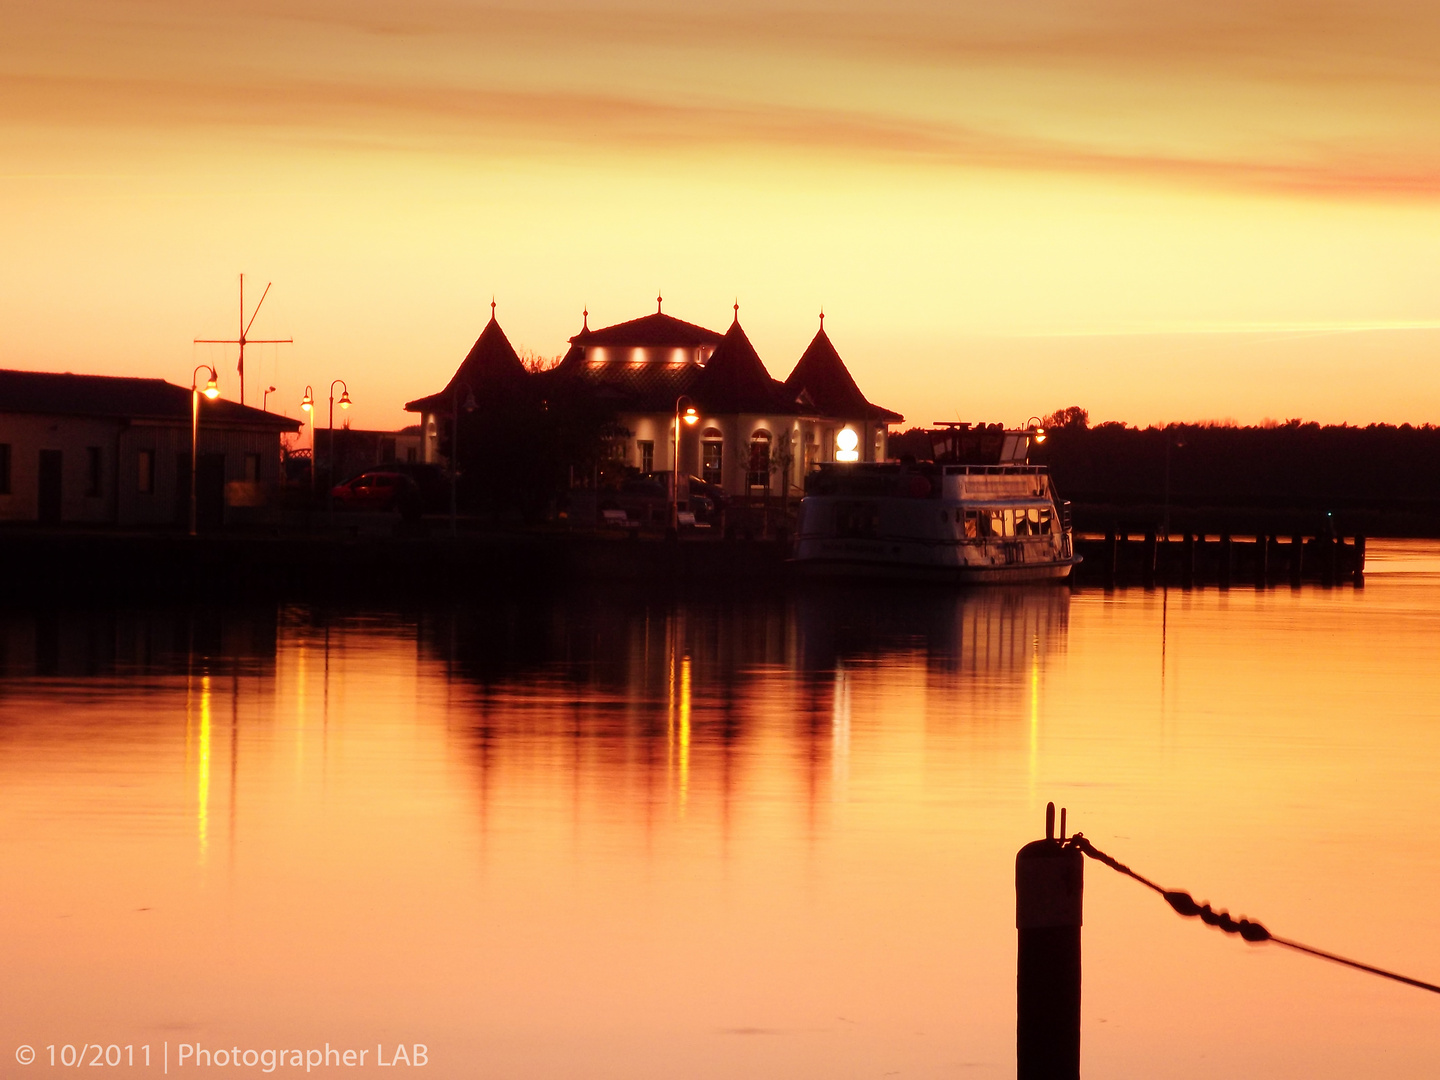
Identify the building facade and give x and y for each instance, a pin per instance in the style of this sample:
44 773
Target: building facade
100 450
749 433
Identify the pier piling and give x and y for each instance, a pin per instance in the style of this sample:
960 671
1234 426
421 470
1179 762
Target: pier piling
1049 902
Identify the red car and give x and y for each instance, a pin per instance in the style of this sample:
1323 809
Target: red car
371 491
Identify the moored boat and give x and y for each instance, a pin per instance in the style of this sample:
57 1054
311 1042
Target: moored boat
977 514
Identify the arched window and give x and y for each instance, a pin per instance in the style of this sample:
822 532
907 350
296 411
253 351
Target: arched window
712 446
758 475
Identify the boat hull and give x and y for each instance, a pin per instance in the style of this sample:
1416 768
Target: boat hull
1017 574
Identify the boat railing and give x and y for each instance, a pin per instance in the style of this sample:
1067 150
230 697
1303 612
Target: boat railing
994 470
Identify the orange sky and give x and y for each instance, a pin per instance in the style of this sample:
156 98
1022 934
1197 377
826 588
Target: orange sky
1155 210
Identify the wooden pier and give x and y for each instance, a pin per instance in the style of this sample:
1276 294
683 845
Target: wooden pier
1189 560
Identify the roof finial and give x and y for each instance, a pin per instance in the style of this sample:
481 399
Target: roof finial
659 301
822 316
492 306
585 319
737 309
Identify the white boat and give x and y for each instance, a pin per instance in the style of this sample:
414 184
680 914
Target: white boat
964 522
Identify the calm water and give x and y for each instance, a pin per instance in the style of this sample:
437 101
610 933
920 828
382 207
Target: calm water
618 837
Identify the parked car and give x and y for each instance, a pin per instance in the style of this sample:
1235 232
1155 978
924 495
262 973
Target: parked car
380 490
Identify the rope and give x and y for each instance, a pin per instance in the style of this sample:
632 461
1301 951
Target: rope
1253 932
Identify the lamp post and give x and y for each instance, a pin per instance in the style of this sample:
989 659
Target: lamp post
211 391
330 441
1036 427
470 407
307 405
690 416
265 398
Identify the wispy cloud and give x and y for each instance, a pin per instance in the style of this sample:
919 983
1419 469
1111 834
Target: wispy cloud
1331 99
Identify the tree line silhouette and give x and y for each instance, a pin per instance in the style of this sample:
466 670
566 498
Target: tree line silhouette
1379 478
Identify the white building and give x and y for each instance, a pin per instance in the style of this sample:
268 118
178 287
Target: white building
752 435
95 449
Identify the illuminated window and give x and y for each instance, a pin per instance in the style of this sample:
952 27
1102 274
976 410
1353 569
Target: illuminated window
712 447
758 475
145 472
646 451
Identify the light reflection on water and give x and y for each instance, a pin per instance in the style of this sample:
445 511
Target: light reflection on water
738 836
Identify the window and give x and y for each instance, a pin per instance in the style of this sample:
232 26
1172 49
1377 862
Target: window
93 462
973 524
145 473
252 467
759 472
712 447
646 450
1044 528
4 468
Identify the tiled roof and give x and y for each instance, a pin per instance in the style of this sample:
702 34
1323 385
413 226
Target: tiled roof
116 397
822 376
650 331
626 387
491 362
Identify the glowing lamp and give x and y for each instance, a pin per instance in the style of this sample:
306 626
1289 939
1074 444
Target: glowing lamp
309 401
847 443
345 399
1039 434
212 388
691 415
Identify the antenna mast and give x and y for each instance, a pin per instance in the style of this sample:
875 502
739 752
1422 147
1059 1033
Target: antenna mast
242 340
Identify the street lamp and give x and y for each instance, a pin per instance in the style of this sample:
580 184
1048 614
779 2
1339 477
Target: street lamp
1037 427
330 442
690 416
307 405
211 391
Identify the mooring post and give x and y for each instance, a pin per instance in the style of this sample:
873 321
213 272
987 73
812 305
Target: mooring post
1049 900
1112 552
1297 558
1225 560
1148 567
1187 561
1360 561
1262 560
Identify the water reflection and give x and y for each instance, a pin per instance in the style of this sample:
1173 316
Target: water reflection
735 835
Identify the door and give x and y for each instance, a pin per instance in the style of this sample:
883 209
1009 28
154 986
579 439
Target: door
210 492
51 471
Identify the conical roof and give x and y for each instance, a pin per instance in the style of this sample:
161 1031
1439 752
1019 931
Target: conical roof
735 380
823 377
490 363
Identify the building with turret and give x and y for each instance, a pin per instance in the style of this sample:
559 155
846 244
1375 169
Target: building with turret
739 428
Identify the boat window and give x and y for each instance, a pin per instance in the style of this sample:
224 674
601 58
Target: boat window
1045 520
997 522
1022 523
972 524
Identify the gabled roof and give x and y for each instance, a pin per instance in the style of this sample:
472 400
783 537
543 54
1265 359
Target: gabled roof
120 398
490 363
649 331
823 378
734 380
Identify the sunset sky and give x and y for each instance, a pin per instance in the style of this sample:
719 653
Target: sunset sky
1158 211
